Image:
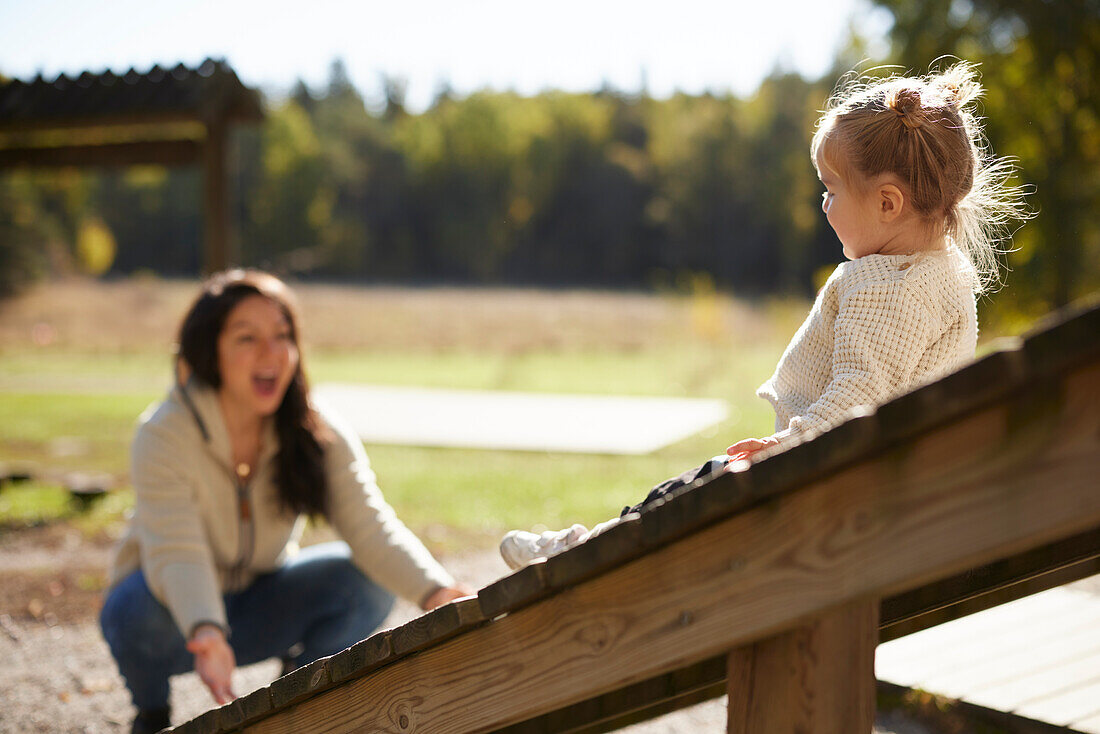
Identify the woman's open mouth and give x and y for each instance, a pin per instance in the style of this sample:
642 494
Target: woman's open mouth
265 386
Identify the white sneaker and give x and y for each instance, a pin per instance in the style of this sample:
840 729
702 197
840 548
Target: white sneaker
519 547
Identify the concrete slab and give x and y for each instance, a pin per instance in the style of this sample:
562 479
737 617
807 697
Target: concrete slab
518 421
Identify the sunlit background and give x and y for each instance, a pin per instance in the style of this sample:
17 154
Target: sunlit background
692 46
597 198
611 200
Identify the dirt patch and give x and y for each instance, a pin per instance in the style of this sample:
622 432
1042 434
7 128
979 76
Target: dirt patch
51 575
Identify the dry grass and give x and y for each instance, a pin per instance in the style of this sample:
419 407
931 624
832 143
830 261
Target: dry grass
142 314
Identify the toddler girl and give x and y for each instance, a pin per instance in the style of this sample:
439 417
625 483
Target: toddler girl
918 206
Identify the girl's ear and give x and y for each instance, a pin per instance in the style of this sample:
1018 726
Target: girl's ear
891 202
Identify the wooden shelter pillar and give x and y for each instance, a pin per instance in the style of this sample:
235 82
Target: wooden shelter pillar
215 191
815 679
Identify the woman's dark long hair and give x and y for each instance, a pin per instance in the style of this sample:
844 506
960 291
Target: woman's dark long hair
300 475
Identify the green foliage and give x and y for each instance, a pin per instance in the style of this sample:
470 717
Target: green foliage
291 206
602 188
37 215
36 503
20 261
1040 65
95 246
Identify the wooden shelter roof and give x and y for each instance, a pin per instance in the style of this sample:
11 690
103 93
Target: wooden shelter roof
171 117
209 91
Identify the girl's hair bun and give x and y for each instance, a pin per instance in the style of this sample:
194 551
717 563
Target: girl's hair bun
958 85
906 102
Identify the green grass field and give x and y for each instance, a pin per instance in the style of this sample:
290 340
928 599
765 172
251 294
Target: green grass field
450 495
71 403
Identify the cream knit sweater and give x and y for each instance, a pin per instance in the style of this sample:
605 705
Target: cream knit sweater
881 325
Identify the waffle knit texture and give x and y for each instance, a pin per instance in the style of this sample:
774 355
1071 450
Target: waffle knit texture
195 539
881 326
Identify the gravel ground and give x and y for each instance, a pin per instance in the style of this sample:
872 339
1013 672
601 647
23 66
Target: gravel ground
59 677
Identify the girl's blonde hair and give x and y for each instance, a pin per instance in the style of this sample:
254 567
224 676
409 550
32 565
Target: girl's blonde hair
924 131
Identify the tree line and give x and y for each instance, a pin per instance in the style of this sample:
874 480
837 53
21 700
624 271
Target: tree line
608 188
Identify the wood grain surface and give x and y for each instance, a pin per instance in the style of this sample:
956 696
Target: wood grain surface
819 677
1013 476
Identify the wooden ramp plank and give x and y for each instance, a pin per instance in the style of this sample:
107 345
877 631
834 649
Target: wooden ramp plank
914 513
361 658
437 625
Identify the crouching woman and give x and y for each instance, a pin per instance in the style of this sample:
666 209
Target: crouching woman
225 471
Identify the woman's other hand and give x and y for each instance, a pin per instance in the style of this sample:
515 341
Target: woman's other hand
214 662
445 594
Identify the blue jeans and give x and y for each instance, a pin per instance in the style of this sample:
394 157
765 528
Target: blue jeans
319 603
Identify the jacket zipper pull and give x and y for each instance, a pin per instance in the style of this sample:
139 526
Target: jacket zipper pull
243 472
244 506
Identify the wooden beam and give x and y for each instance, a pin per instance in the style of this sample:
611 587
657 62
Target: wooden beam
936 603
146 152
215 196
99 121
818 678
997 583
630 705
960 496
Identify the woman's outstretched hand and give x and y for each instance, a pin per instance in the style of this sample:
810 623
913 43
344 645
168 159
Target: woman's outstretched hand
214 662
444 595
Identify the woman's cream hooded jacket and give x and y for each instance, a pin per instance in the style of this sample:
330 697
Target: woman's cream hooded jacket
198 532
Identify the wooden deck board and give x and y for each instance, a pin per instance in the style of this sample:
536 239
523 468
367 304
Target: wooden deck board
1043 677
1036 644
1038 657
911 660
1067 707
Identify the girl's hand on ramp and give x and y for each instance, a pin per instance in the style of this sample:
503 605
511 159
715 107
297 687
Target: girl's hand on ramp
741 451
750 446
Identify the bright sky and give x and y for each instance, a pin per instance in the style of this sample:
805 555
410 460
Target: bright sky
689 45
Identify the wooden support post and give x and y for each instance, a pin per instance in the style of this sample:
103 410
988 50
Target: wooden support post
215 199
815 679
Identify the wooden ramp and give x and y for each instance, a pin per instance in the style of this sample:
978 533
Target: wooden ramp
774 584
